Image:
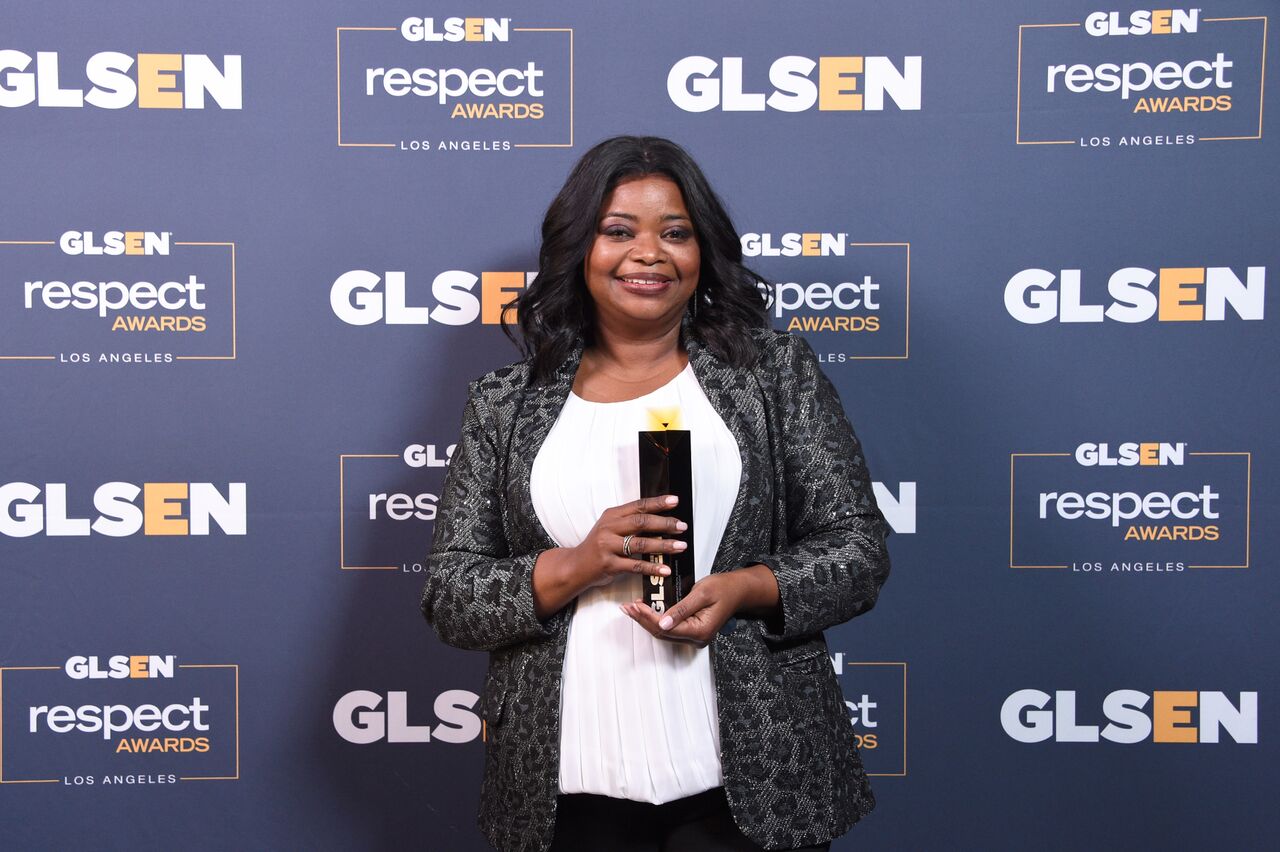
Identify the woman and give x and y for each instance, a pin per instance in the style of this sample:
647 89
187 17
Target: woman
719 724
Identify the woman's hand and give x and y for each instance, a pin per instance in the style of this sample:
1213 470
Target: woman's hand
622 538
619 543
711 602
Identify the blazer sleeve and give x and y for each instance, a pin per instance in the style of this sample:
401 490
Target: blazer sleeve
835 559
478 595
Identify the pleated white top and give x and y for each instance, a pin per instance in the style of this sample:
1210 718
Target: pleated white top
637 713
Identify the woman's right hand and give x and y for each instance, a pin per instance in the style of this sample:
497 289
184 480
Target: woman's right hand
562 573
624 537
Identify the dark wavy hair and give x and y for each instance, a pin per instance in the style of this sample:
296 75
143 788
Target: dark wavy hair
556 310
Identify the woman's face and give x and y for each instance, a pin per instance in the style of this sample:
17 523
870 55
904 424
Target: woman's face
643 265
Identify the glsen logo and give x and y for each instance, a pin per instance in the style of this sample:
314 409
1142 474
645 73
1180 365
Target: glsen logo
1133 716
118 667
125 509
1168 294
116 242
456 29
876 698
1148 453
119 297
159 81
1143 22
797 84
1141 78
116 720
387 509
851 300
794 245
1130 507
486 85
360 717
361 297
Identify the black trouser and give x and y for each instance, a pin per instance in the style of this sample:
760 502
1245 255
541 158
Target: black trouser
700 823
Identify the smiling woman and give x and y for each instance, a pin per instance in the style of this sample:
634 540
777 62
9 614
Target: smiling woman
641 273
716 724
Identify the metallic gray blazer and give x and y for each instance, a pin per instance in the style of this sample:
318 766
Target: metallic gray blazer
805 508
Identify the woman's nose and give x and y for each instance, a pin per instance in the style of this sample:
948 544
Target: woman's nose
647 248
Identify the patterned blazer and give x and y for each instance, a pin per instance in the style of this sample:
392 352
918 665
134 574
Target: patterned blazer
804 508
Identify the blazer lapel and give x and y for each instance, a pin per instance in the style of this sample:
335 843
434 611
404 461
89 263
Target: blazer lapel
537 413
735 396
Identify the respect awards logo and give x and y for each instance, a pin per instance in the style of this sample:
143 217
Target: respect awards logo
875 694
117 297
455 84
123 719
1153 507
387 507
1119 79
850 299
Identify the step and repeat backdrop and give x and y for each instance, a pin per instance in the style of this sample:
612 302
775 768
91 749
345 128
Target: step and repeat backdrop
252 253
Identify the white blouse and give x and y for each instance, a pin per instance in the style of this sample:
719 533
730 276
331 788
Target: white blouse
637 714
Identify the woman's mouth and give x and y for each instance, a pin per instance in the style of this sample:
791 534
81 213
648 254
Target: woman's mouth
645 283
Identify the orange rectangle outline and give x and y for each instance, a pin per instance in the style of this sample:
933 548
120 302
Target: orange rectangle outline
1017 119
4 669
342 514
27 357
235 777
338 49
907 344
1248 507
568 30
230 357
1011 458
235 666
1262 86
903 773
338 40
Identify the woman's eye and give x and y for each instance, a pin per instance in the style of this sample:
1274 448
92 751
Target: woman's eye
677 235
616 231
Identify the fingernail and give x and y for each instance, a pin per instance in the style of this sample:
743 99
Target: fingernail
671 500
624 608
665 623
681 526
664 570
679 545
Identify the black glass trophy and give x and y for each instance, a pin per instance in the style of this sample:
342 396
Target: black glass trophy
666 467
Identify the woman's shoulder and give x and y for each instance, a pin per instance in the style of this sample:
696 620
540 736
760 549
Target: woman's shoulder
779 348
775 351
502 383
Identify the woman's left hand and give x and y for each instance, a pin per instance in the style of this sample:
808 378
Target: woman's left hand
711 602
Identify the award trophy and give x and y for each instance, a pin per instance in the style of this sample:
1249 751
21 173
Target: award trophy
666 467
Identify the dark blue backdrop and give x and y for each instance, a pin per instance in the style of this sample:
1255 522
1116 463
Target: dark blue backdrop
310 617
